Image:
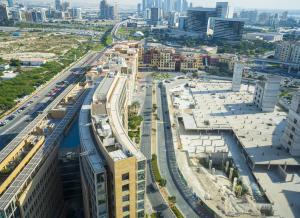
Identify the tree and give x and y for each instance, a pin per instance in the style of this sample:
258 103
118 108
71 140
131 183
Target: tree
172 199
136 106
2 61
194 74
15 63
163 182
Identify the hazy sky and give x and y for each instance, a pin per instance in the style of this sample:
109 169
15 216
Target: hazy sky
259 4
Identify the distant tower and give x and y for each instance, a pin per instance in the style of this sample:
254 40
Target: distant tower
237 76
116 11
223 9
266 93
10 3
139 9
58 5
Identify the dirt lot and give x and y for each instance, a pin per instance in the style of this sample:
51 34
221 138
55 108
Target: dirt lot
36 44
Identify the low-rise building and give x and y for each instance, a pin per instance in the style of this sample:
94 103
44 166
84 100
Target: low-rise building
288 52
266 93
166 58
35 62
4 66
268 37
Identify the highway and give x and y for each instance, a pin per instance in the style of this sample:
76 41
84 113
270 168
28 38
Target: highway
38 102
116 29
156 199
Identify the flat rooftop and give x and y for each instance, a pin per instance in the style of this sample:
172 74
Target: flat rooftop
116 122
88 144
218 108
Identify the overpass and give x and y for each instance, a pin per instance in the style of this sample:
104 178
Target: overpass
264 61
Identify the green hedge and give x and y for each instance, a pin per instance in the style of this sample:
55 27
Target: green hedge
177 212
155 169
158 178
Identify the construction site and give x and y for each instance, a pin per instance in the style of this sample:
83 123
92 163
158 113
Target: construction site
230 148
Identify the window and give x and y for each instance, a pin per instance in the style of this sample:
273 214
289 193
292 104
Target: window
141 214
293 129
126 208
141 196
289 143
141 205
125 176
100 178
295 121
291 136
125 198
125 188
141 186
141 165
141 175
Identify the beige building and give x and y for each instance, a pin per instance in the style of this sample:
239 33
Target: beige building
118 159
191 62
288 52
125 163
30 184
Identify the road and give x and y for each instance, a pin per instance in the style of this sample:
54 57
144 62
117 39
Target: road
176 186
156 199
41 100
116 29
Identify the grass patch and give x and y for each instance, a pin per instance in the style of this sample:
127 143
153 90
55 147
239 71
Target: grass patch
161 76
157 177
177 212
27 80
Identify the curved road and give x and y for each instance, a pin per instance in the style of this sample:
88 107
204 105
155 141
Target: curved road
176 186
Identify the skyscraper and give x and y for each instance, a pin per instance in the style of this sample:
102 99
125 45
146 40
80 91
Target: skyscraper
58 5
10 3
185 5
197 19
172 18
76 13
222 9
250 15
3 13
65 5
139 9
107 11
178 5
144 6
228 29
154 15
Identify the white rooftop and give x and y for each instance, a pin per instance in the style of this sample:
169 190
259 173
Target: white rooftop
217 107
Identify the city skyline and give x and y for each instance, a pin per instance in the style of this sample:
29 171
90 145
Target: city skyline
255 4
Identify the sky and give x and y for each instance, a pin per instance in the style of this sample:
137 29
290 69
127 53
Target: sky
254 4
